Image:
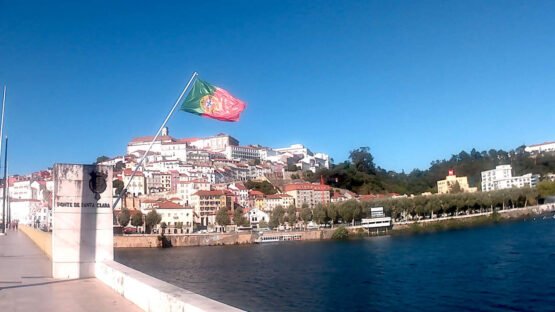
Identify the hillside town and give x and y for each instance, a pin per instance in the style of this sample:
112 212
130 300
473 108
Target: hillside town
188 181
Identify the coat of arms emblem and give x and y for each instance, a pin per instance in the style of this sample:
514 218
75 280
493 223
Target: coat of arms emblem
97 183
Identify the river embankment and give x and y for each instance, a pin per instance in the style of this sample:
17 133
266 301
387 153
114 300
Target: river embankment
472 220
404 228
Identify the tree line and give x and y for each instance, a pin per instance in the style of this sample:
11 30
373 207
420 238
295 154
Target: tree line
360 174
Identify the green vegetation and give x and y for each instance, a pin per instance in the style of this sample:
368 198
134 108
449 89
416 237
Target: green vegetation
546 188
292 215
124 217
102 158
277 217
239 219
411 208
306 214
421 207
152 219
449 224
361 175
340 233
265 187
164 226
118 185
222 217
137 219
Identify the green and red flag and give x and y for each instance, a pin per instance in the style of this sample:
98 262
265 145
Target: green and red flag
210 101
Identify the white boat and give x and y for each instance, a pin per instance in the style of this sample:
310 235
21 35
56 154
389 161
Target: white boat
276 237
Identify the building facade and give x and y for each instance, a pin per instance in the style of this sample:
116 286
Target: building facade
446 186
310 194
502 178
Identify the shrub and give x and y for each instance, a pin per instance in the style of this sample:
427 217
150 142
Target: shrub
340 233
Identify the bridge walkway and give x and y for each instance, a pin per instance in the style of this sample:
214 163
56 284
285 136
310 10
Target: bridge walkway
26 283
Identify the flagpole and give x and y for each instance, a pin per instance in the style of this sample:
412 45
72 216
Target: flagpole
1 145
4 217
2 121
195 74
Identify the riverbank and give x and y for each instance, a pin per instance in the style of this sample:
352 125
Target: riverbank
469 221
405 228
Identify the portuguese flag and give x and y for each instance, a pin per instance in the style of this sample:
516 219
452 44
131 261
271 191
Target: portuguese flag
213 102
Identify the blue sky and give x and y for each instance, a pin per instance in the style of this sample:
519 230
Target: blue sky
413 80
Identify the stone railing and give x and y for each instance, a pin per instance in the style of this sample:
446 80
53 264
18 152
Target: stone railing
152 294
42 239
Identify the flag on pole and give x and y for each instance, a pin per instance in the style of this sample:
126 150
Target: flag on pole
210 101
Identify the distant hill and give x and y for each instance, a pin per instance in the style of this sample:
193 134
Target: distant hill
360 175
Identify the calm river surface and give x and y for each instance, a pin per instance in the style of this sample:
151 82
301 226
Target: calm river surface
501 267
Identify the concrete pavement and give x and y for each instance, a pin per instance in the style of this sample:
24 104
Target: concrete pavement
26 283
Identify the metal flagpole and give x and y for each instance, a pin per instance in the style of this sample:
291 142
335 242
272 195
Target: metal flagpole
1 136
5 187
2 122
195 74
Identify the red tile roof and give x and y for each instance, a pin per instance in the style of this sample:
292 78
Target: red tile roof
166 204
128 172
255 193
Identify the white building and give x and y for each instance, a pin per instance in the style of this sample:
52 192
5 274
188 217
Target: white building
186 189
502 178
174 150
540 148
309 160
242 152
141 144
216 143
138 184
240 192
173 214
255 216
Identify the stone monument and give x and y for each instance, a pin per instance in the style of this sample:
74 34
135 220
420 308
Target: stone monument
82 219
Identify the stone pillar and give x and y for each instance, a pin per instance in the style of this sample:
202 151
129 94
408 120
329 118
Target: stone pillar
82 230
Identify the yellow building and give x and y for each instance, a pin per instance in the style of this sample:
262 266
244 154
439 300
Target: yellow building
446 186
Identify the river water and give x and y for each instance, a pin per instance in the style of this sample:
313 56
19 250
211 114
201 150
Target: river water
499 267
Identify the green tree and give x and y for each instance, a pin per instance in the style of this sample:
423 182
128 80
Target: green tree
546 188
292 215
277 216
103 158
152 219
455 188
363 160
119 166
319 214
118 185
306 214
265 187
239 219
124 217
222 217
332 212
349 210
340 233
137 219
164 226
